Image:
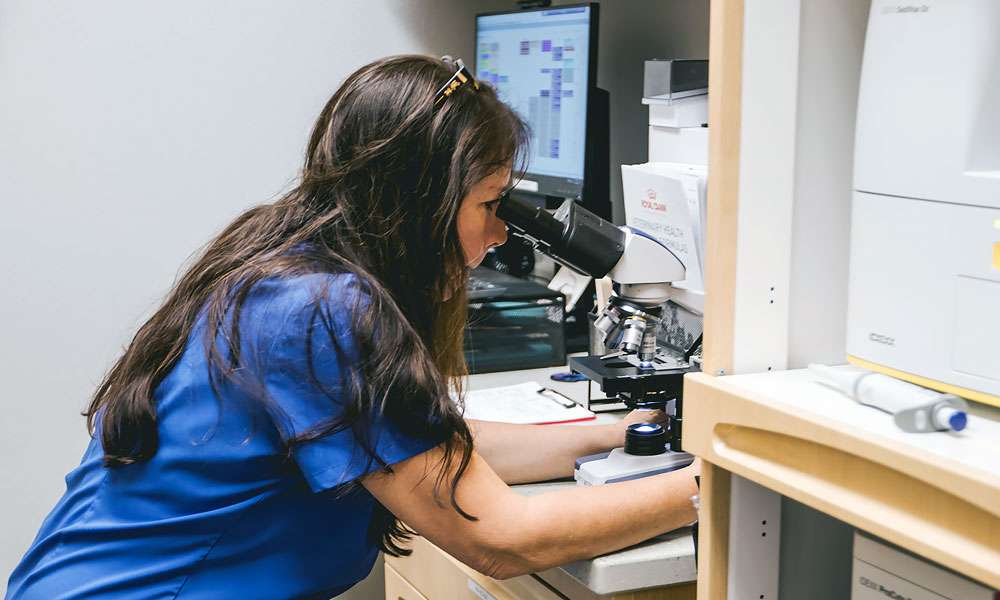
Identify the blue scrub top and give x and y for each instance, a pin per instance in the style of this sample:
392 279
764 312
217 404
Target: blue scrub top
219 511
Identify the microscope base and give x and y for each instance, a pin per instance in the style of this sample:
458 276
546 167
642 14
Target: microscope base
615 466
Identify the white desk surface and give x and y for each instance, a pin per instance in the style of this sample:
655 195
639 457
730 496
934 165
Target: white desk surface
974 450
662 561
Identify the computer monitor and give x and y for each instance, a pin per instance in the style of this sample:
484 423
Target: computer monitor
543 63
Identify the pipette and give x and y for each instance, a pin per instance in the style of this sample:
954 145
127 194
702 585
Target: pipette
915 409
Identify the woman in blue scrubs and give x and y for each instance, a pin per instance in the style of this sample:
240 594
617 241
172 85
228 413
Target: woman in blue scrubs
287 408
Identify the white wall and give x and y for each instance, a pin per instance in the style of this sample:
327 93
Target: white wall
131 132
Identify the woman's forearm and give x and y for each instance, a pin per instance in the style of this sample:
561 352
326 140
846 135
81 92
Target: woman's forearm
560 527
514 534
524 453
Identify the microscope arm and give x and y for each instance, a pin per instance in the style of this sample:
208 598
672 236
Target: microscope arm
642 267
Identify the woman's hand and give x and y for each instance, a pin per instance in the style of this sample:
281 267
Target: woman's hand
551 449
641 415
695 467
644 415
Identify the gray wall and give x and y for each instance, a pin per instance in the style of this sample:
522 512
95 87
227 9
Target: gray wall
131 132
831 42
633 31
816 554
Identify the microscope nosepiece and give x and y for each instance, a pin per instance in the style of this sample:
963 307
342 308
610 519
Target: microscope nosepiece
634 328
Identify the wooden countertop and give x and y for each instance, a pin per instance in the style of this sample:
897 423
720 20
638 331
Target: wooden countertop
936 494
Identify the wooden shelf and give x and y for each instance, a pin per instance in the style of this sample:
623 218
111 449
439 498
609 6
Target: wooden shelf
936 494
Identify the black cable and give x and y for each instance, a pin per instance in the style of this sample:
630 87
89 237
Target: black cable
694 527
694 348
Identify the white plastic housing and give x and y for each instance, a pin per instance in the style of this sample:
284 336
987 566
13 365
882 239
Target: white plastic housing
646 260
621 466
880 572
678 112
678 144
924 292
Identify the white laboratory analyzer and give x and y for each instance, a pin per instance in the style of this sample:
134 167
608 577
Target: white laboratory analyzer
883 572
924 292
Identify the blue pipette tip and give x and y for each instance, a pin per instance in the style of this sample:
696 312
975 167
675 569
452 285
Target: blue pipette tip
958 420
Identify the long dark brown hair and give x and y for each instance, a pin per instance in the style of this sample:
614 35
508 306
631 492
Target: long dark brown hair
385 173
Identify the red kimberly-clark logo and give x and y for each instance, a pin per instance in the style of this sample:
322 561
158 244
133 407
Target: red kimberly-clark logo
650 202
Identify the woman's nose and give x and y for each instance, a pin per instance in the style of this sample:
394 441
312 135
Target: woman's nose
500 232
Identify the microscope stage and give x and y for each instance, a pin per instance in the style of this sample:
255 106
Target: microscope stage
615 376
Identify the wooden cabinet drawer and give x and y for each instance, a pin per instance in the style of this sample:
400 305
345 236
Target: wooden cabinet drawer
397 588
437 576
432 574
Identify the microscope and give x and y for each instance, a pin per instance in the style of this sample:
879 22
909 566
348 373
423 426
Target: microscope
634 369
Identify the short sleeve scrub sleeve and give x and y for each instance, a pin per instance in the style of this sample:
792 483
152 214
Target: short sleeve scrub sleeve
220 510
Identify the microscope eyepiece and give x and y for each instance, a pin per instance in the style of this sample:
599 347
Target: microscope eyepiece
530 220
574 237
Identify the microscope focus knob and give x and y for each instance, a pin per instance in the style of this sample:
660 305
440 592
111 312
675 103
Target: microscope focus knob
645 439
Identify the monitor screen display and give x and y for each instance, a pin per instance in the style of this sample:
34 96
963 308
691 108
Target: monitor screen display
539 61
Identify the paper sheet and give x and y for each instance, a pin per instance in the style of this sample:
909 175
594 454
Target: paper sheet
522 404
667 200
